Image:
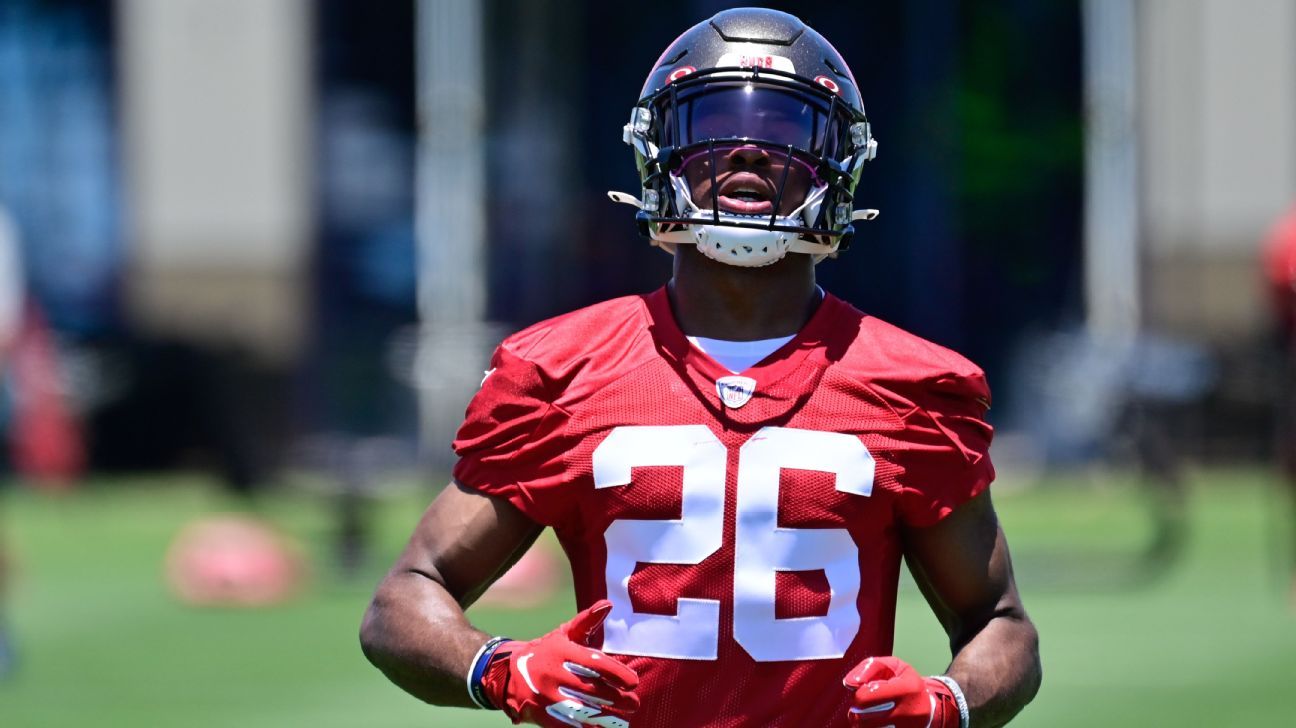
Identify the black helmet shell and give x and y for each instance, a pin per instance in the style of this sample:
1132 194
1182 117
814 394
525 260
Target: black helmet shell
755 37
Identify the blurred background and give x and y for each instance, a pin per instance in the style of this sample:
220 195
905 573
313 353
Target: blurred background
254 257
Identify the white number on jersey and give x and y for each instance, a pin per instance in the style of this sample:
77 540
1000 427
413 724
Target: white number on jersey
762 548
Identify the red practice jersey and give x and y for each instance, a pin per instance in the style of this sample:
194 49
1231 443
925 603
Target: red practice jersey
745 528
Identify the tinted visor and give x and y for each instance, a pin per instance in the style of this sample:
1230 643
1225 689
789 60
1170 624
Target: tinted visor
777 115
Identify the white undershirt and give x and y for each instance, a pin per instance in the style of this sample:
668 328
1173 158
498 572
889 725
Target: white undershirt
738 355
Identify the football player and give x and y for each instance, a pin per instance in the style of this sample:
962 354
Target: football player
735 464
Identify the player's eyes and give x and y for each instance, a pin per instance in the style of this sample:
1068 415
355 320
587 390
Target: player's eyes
715 126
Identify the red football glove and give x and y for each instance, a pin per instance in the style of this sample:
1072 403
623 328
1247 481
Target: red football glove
888 692
558 680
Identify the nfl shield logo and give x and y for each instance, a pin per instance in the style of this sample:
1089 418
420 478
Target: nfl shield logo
735 391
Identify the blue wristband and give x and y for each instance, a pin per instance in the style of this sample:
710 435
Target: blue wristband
478 670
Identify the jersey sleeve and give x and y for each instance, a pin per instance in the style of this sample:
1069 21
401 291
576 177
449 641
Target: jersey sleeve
512 442
948 460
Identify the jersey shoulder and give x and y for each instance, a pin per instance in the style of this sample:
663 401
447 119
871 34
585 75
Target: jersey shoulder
886 356
604 338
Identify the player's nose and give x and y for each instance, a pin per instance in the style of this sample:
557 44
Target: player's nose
748 155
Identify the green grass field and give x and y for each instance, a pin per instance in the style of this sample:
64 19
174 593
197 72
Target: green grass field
1210 642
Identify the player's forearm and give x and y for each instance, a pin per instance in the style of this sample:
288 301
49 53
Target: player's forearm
417 635
999 669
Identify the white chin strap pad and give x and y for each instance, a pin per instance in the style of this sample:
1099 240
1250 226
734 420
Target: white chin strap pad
742 247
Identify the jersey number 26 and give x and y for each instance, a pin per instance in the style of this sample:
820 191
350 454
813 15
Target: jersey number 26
761 549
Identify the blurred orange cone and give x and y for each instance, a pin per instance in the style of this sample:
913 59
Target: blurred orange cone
233 561
532 581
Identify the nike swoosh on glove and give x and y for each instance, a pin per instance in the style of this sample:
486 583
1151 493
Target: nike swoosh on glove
888 692
560 680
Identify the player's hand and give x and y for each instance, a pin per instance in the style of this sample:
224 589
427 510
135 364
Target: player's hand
888 692
559 680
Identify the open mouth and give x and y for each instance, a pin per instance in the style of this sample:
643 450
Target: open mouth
745 193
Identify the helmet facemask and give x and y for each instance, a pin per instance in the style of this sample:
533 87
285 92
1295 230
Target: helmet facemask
748 164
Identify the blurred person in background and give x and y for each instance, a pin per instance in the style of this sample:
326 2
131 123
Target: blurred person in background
11 303
1280 279
736 464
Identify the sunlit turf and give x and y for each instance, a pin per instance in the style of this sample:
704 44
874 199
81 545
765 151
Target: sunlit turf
1208 641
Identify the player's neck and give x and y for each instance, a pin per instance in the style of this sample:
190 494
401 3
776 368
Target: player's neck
719 301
